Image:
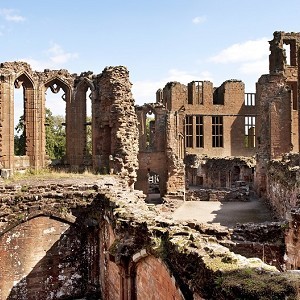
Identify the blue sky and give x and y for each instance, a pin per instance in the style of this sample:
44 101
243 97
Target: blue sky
158 41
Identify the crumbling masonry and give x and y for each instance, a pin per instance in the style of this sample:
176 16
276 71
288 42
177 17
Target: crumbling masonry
114 123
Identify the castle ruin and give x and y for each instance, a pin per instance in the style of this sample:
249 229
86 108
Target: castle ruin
98 238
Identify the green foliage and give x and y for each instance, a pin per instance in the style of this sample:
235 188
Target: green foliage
89 136
149 120
55 136
19 138
251 284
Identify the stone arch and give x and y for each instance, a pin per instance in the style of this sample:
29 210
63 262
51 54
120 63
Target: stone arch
152 274
55 84
143 274
8 82
51 252
25 81
23 218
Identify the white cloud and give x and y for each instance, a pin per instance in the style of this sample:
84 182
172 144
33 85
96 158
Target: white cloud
59 56
199 20
11 15
56 57
36 65
144 91
257 67
253 50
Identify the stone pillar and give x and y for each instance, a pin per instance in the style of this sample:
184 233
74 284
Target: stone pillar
6 122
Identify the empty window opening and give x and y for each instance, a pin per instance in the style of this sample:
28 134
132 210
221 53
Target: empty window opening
189 131
199 92
249 132
19 122
217 131
287 50
88 125
218 96
195 92
199 132
250 99
290 52
150 130
190 93
55 123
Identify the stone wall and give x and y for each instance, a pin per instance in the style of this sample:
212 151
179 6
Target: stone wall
153 278
214 172
201 99
282 194
114 123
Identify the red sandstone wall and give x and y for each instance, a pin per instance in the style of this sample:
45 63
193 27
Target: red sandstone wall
293 244
153 281
40 259
109 271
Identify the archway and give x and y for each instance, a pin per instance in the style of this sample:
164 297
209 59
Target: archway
24 122
57 97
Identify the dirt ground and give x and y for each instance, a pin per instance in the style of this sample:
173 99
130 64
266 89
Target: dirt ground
224 213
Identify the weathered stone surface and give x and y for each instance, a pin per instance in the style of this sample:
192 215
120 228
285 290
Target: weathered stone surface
114 123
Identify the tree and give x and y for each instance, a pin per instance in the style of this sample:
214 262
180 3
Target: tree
19 138
55 136
89 136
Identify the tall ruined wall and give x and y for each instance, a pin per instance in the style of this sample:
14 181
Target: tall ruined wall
116 123
283 192
34 84
274 132
175 184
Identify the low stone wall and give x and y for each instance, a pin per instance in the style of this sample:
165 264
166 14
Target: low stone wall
265 241
222 195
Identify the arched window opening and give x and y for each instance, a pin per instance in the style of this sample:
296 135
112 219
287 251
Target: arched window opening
88 128
55 130
287 48
19 122
23 114
150 130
